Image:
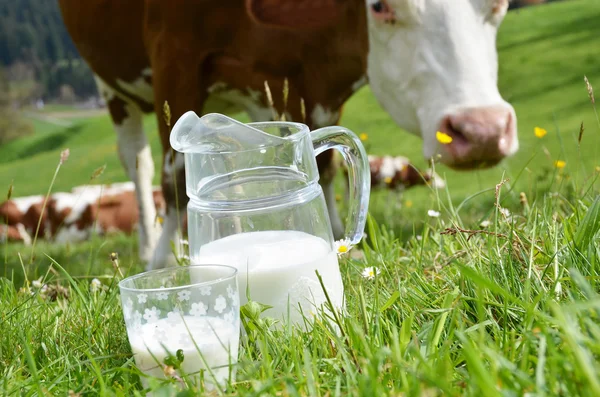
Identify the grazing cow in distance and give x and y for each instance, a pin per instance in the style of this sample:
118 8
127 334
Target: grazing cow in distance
95 208
398 173
13 210
22 215
432 64
117 212
70 217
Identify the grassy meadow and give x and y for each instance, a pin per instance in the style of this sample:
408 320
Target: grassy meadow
496 296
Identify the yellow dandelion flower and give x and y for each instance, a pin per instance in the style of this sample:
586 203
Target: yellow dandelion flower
443 138
364 136
160 219
598 168
408 204
388 180
540 132
560 164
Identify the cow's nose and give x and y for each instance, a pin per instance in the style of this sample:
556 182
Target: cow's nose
481 136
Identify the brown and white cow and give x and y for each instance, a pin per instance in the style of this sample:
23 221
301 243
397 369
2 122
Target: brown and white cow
397 173
75 215
432 64
21 215
114 213
70 217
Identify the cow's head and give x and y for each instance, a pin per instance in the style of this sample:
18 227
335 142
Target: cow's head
433 66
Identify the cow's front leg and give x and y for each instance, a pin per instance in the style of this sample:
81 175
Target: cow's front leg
182 92
136 158
327 171
173 187
323 116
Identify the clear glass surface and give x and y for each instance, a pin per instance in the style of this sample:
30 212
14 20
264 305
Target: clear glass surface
191 309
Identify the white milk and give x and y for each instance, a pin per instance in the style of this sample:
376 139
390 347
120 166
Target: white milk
277 266
216 339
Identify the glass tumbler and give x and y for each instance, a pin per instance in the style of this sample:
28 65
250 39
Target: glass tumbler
187 317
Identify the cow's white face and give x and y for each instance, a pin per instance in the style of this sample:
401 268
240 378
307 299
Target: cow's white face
433 66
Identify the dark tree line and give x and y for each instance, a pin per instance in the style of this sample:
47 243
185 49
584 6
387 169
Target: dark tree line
12 125
32 33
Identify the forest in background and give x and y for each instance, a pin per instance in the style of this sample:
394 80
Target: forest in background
38 57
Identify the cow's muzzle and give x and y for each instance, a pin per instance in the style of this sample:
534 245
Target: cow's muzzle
481 136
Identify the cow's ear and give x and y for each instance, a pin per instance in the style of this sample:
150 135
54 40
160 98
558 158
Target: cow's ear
296 14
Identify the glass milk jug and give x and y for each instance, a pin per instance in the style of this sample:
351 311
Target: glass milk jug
255 203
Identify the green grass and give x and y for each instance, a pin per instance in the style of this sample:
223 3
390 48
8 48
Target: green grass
513 309
502 313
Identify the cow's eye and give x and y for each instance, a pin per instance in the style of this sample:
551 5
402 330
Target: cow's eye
377 7
382 11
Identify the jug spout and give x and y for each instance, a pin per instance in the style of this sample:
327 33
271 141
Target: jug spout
226 160
216 133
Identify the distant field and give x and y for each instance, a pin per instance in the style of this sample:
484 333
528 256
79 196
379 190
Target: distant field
544 53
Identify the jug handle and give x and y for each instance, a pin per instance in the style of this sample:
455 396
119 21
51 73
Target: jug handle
359 174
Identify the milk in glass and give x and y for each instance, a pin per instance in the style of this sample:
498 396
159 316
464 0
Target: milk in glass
215 338
279 267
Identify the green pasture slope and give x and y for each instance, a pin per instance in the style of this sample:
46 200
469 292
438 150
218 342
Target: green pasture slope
544 54
509 310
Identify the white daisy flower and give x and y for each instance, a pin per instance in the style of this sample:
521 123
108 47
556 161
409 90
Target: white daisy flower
433 213
485 224
505 212
95 285
342 246
370 272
